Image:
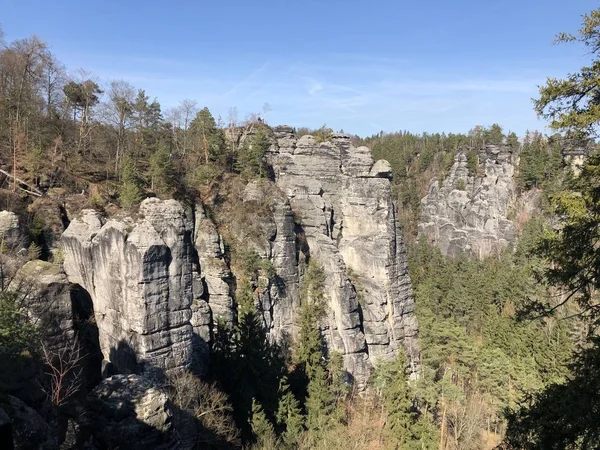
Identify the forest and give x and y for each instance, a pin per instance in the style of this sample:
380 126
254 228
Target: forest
509 347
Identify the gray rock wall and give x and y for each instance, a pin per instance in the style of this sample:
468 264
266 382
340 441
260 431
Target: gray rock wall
160 280
342 199
469 212
141 276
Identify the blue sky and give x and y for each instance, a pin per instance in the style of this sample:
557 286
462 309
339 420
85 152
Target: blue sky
362 66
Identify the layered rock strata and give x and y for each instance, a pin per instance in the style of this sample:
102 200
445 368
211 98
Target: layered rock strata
469 211
160 280
342 202
143 277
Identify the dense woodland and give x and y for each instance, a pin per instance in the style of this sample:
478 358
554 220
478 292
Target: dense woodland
501 344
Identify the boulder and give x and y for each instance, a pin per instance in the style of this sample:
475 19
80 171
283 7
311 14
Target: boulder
11 234
29 430
128 411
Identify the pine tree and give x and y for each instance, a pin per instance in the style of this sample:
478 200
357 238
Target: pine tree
322 409
208 141
130 193
289 416
322 406
251 158
162 171
262 429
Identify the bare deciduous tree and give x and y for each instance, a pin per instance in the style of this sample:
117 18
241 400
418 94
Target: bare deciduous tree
206 404
64 370
121 96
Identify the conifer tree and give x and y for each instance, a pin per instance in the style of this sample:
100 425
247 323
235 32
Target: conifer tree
251 161
130 193
262 429
162 171
289 416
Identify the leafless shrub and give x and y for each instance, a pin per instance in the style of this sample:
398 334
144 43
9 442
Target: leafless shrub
208 406
64 371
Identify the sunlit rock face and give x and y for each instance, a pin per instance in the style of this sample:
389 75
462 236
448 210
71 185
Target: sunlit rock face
341 199
159 279
469 212
143 277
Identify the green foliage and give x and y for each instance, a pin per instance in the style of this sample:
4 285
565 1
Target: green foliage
565 415
461 185
82 95
494 135
572 104
406 427
477 356
262 428
310 353
289 416
251 158
540 162
512 141
322 407
208 141
130 192
247 364
472 162
17 333
162 171
572 250
206 174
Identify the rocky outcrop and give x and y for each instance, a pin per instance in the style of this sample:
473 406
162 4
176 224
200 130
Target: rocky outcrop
48 299
143 280
29 430
160 280
11 235
468 212
341 200
213 266
128 411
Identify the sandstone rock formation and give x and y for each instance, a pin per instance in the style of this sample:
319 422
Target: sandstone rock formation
11 235
29 430
48 299
160 280
141 276
342 200
127 411
469 212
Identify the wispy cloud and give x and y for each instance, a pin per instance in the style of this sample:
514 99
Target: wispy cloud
358 93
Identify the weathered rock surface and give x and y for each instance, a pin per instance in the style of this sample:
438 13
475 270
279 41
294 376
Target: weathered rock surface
469 212
342 199
29 430
127 411
213 266
159 281
141 276
11 235
49 301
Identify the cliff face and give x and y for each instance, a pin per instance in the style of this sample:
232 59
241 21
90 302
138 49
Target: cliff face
160 280
342 200
143 281
468 212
